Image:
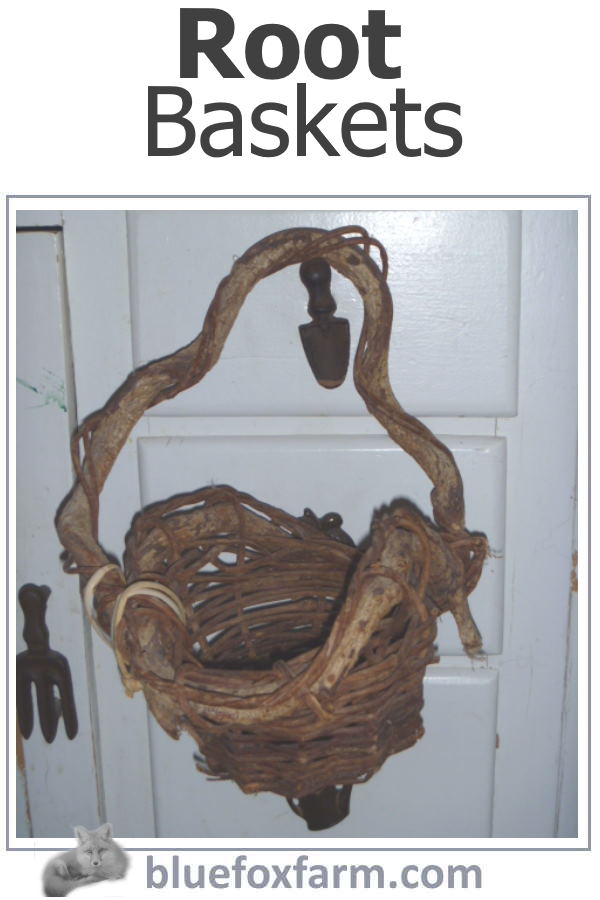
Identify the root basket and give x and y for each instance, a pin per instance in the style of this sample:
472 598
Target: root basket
295 659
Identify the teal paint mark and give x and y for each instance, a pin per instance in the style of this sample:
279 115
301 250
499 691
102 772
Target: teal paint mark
51 390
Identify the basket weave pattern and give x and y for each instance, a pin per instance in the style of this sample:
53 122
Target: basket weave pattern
262 595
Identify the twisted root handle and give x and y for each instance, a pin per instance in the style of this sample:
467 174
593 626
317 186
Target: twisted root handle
104 433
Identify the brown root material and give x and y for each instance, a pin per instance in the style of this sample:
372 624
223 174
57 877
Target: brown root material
294 659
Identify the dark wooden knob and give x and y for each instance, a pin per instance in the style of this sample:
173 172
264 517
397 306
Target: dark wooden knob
326 340
316 277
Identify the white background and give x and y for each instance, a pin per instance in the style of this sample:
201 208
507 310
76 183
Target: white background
77 78
74 112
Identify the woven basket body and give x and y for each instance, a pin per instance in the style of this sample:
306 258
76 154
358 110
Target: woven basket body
262 591
295 659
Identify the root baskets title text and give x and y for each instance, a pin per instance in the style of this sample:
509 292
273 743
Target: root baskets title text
176 124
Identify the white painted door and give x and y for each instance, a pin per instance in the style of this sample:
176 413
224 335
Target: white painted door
484 351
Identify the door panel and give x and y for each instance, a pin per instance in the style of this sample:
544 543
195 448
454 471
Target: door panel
541 490
453 276
60 777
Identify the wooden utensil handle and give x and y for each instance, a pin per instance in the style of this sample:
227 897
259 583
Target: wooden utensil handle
33 599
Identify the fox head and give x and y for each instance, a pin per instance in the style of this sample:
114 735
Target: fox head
92 845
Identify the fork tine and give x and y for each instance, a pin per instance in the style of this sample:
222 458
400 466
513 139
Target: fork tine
64 684
47 708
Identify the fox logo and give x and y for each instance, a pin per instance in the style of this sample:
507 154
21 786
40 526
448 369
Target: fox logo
96 857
